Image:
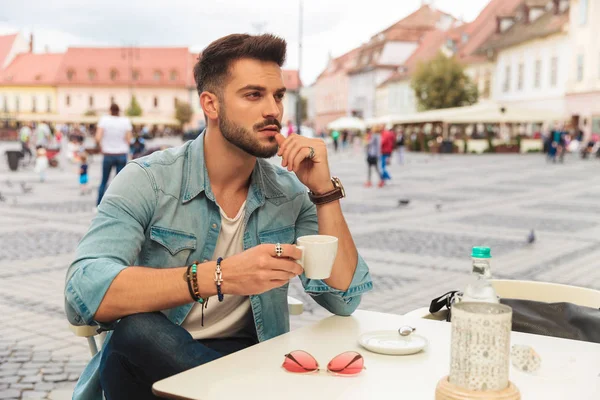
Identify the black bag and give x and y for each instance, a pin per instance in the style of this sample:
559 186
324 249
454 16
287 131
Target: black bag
562 320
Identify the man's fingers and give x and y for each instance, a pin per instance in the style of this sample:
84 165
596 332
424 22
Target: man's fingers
299 158
287 265
283 276
280 139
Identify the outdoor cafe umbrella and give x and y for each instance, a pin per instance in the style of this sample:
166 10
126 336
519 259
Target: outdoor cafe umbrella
352 123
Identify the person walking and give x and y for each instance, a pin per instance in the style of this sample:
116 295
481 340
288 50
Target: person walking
388 140
373 150
400 145
25 139
335 135
113 136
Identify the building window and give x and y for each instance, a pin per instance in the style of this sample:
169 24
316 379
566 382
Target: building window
537 78
33 104
175 102
521 72
580 68
487 84
91 101
68 100
70 74
48 104
114 74
583 10
17 104
173 75
464 38
553 71
92 74
506 86
155 101
112 100
135 74
5 99
157 75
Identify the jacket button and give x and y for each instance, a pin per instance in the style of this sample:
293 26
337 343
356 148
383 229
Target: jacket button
214 226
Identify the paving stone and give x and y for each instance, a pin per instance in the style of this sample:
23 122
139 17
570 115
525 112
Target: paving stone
52 370
43 386
28 372
9 379
10 366
32 379
55 378
21 386
10 393
30 394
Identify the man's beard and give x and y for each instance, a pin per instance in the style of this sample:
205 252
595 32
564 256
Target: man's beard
248 140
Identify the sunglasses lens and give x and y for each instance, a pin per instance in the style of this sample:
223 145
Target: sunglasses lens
300 361
349 363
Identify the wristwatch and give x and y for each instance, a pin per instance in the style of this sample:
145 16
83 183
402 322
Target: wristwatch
337 193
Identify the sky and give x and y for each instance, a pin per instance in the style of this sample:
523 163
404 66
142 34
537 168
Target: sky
330 27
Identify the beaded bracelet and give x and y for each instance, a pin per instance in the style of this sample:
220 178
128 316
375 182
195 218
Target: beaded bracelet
192 281
219 278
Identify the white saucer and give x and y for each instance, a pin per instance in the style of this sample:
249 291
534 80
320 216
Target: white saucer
390 342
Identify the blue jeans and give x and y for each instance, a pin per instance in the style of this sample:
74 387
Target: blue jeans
147 347
109 161
384 173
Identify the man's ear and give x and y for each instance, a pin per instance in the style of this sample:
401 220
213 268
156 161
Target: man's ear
210 104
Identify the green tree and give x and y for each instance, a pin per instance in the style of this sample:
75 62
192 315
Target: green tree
134 109
183 113
442 83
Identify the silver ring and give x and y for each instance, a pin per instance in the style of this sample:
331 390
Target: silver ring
278 250
311 155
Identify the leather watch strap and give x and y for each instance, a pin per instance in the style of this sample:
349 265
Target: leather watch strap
333 195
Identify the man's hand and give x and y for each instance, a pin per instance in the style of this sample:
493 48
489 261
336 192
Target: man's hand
258 270
312 172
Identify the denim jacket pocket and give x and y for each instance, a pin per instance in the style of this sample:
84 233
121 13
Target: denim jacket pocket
172 240
286 234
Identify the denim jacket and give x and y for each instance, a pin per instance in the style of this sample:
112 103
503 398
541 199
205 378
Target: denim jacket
160 212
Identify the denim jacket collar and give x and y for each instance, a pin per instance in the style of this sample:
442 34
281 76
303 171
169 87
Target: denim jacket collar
196 176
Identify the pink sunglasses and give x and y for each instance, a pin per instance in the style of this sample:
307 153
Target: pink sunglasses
348 363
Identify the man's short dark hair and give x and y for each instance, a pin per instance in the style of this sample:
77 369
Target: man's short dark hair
213 65
114 109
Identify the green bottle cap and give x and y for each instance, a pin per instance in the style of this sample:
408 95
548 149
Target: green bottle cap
481 252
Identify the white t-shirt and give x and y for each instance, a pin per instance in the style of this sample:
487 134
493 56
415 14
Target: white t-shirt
114 139
233 316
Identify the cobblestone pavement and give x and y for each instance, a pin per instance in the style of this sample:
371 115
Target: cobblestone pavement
416 251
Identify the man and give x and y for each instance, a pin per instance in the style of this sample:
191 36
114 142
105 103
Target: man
25 139
388 141
42 135
214 198
114 137
400 145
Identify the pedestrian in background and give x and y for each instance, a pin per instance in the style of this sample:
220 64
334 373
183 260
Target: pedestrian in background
41 163
25 139
388 141
335 135
113 136
400 145
83 174
373 152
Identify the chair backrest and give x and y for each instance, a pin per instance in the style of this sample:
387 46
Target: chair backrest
546 292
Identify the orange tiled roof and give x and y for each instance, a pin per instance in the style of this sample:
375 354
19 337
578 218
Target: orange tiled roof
117 66
32 69
345 62
547 24
6 44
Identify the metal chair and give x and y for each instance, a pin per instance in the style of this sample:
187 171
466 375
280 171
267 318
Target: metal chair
295 307
529 290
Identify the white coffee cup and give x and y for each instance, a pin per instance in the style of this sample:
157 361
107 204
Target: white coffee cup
318 255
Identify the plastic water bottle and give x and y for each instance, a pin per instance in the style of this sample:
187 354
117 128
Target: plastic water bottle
480 288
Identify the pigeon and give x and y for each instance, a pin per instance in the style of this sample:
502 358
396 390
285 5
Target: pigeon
2 198
438 206
531 237
25 188
403 202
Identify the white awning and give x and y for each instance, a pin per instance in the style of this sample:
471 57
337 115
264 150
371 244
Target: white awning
352 123
485 112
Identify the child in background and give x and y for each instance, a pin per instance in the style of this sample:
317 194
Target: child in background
41 163
83 173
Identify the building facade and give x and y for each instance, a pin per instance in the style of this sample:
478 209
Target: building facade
532 53
583 85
